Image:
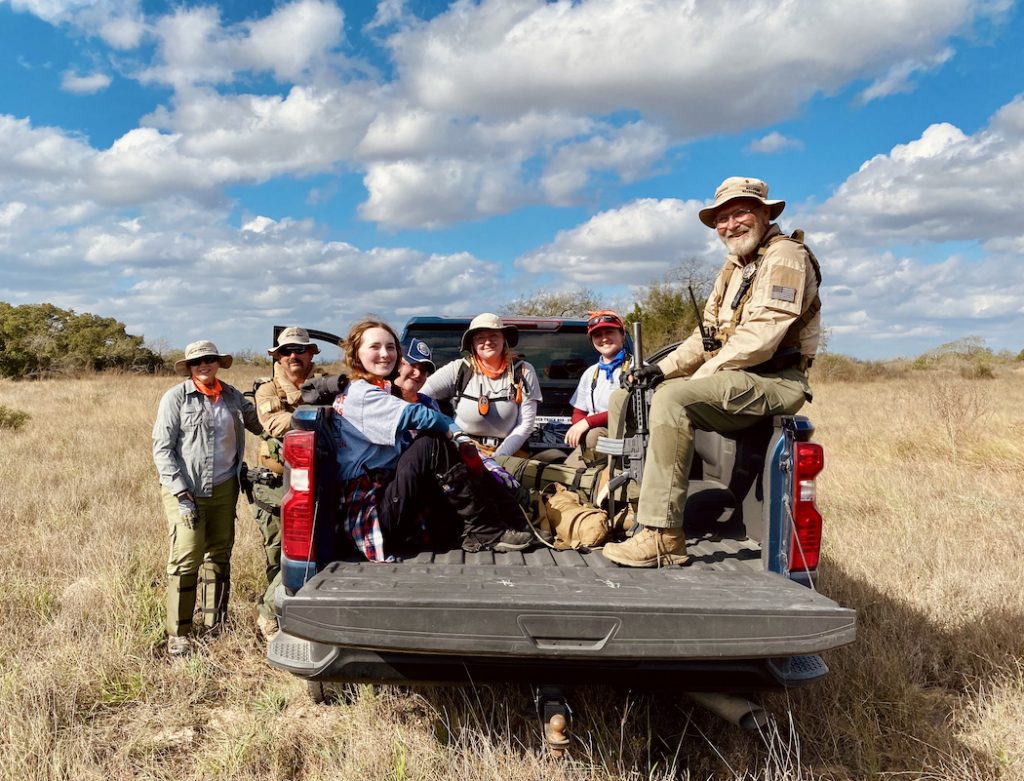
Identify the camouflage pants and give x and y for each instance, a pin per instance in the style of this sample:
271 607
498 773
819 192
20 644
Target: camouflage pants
725 401
268 518
200 557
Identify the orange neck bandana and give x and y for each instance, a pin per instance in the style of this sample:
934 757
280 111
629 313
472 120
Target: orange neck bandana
213 392
492 373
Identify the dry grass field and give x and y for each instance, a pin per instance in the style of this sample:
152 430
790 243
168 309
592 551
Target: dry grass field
924 537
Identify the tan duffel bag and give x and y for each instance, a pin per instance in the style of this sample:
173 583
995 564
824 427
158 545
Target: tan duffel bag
573 525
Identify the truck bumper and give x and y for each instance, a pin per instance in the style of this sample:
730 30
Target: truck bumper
317 661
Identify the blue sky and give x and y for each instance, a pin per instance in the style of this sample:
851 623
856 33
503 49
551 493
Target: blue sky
209 170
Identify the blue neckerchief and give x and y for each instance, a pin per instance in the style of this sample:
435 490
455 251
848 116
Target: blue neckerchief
610 367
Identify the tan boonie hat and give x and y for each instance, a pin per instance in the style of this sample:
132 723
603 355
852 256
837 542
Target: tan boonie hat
199 350
293 336
740 187
489 322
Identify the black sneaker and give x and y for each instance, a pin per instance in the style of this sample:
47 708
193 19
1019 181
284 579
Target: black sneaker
513 541
508 541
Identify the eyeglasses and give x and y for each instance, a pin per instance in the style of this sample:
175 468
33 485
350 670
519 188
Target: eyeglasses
736 214
203 359
299 349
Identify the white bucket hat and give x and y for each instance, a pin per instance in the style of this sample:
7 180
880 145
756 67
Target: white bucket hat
489 322
200 350
740 187
293 336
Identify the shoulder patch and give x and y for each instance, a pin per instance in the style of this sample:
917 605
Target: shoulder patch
266 406
781 293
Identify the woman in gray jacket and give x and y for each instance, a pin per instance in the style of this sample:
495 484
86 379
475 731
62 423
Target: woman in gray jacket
198 443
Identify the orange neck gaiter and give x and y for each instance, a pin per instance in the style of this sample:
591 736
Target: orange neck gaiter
492 373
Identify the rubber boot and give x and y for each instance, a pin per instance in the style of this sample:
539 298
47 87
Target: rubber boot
181 604
215 580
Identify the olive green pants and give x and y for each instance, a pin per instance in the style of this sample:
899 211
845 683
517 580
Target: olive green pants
726 401
268 518
200 556
585 455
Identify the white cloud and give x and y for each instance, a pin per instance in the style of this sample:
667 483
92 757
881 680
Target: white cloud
389 12
84 84
634 244
439 191
774 142
631 152
118 22
944 185
179 272
665 58
194 48
898 77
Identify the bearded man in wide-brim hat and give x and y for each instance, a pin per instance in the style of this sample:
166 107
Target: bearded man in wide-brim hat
764 313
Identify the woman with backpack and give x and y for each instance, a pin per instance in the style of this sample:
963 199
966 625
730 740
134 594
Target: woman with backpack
493 394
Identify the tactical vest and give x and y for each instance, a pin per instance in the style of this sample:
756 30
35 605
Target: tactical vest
790 344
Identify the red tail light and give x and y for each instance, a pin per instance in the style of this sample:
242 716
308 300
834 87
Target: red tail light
805 546
297 506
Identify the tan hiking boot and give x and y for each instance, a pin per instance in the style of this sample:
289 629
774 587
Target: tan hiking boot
649 547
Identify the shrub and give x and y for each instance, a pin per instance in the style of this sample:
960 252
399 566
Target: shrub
12 418
833 367
37 340
977 371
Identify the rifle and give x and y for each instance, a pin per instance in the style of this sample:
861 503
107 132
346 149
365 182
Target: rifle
631 449
251 475
711 344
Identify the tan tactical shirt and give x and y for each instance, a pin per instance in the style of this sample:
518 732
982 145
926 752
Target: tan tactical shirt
275 402
783 288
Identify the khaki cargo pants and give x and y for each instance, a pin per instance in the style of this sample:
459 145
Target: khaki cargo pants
200 557
268 518
726 401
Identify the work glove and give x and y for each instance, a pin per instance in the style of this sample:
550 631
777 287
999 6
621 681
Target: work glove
651 374
469 454
187 511
323 389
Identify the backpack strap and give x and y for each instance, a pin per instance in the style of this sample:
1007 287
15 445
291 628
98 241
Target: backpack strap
465 374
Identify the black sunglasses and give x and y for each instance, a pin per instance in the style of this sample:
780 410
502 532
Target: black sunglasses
204 359
611 319
299 349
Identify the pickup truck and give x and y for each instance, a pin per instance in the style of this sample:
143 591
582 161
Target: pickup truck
742 616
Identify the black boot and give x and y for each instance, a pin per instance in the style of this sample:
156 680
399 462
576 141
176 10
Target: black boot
483 524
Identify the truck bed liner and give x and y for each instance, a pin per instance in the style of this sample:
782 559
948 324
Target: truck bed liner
705 553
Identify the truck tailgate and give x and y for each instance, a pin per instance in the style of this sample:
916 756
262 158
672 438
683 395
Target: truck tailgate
564 605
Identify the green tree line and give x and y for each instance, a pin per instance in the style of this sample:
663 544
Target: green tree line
38 340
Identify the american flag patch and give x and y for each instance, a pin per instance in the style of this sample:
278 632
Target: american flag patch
784 293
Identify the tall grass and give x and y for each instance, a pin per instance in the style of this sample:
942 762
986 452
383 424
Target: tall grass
923 537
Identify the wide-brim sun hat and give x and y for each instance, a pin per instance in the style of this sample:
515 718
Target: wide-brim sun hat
489 322
200 349
293 336
740 187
